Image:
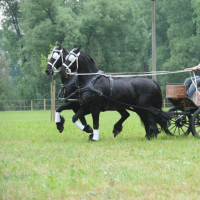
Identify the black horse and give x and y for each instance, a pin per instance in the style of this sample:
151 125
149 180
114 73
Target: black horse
56 59
70 85
98 92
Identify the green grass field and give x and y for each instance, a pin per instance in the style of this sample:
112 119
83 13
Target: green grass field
37 162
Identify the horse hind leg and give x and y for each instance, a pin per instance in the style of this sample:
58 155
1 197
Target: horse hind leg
118 126
153 129
149 123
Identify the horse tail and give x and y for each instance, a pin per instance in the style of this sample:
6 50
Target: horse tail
158 102
163 117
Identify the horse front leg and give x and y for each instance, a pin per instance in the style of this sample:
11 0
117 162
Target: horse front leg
95 117
149 124
87 128
60 120
118 126
81 113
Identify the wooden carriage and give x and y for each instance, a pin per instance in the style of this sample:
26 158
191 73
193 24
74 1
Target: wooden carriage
185 112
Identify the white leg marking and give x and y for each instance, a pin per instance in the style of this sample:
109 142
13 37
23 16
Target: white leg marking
96 135
57 117
79 125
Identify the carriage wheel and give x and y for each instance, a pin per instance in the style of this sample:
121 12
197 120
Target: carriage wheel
195 124
180 124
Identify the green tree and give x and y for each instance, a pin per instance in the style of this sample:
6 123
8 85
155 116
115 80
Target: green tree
6 88
177 46
11 33
114 34
43 22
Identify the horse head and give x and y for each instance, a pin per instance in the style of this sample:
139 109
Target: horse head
78 61
71 62
56 59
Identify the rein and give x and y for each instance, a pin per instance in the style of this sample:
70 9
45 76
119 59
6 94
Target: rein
74 57
130 75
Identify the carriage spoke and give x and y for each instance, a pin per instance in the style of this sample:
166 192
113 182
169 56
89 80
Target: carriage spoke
175 130
185 126
172 127
182 129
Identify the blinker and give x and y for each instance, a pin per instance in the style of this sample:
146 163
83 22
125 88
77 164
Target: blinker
56 56
72 58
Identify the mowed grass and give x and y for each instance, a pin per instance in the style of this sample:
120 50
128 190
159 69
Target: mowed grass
37 162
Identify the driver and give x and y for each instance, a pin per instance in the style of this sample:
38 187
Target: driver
189 82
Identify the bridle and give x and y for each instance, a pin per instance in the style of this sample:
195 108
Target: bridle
55 56
72 57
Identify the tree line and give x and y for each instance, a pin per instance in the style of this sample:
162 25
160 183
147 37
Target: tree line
116 33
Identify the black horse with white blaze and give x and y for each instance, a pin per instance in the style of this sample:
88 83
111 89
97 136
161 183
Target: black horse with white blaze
70 85
99 92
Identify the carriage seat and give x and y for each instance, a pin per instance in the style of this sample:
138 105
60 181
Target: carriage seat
175 91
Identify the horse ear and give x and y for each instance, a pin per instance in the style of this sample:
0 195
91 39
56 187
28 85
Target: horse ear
78 48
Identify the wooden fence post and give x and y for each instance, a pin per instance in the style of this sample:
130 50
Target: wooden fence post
44 104
31 105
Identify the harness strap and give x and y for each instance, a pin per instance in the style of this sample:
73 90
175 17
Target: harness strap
89 86
111 90
71 83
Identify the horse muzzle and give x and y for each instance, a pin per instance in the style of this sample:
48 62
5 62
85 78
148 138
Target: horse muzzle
49 72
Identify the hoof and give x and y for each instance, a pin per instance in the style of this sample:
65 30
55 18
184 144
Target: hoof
91 137
88 129
59 125
117 131
92 140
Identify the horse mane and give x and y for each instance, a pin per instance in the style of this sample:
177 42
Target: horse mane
65 51
90 58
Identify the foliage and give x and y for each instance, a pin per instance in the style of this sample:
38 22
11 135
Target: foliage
117 34
6 87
